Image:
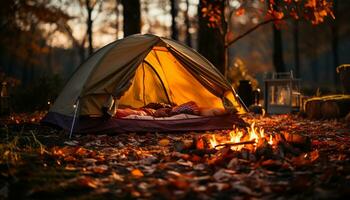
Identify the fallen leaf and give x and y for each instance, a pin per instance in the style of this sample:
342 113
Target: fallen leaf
71 142
116 177
164 142
87 182
184 163
219 186
98 169
137 173
180 183
244 189
223 175
314 155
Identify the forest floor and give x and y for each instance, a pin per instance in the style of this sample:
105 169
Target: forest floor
38 162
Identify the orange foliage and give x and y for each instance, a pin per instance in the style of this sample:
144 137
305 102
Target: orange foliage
314 11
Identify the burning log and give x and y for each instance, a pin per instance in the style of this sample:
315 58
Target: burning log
221 156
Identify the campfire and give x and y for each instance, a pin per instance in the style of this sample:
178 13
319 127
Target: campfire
252 144
250 139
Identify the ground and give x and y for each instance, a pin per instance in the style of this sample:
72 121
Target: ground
43 163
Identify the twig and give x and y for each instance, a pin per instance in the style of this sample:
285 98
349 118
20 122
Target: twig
201 152
235 144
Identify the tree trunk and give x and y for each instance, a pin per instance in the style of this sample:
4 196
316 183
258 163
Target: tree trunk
211 43
278 61
335 41
296 49
89 24
132 17
117 18
49 59
81 52
174 11
188 25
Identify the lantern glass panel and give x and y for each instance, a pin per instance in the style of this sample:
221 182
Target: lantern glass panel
296 99
279 94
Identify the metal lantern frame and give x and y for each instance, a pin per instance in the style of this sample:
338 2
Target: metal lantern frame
282 93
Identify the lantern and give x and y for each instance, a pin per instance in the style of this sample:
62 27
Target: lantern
282 93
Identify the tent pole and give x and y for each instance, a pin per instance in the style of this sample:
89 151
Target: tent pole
161 82
76 105
239 98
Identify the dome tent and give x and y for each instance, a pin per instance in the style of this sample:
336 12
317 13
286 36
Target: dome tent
142 69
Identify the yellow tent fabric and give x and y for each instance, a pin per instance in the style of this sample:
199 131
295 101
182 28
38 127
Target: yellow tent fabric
159 69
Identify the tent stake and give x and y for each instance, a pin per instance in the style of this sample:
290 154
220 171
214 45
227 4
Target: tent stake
74 117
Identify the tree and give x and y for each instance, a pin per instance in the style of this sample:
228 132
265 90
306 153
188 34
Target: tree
132 17
173 12
211 41
296 48
277 54
219 18
77 44
86 8
23 38
90 5
117 3
89 8
188 25
335 40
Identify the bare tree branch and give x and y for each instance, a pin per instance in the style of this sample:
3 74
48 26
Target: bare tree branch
251 30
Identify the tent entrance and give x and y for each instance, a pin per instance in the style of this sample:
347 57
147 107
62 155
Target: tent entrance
145 63
147 87
162 78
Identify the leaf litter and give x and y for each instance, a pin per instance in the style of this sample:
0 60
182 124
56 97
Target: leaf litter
311 162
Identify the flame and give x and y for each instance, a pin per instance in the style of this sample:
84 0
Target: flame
270 140
213 141
252 131
236 135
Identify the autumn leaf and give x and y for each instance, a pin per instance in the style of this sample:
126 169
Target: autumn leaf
310 4
164 142
137 173
87 182
100 169
294 14
278 15
81 151
240 12
314 155
200 144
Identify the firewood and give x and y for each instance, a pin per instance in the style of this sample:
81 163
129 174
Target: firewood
235 144
202 152
220 156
